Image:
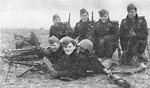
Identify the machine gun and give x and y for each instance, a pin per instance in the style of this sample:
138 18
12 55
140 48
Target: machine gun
22 57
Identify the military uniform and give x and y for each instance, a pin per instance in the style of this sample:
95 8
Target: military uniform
137 44
133 45
108 32
82 29
60 29
53 57
86 47
73 66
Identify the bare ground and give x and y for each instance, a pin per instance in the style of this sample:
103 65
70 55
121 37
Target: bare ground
37 80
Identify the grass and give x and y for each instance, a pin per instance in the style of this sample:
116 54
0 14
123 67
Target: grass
36 80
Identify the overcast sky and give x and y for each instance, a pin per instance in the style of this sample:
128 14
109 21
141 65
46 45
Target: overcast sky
38 13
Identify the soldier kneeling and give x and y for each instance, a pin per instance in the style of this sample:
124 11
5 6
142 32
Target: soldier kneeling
133 36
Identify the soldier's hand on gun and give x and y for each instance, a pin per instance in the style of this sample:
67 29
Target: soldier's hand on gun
132 33
101 42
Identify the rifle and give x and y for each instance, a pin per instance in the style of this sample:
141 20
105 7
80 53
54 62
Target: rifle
130 72
12 56
92 19
116 79
92 27
148 50
123 72
69 19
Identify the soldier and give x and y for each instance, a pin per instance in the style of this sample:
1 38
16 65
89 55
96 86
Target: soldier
106 34
73 64
55 51
86 48
59 29
97 67
84 26
29 40
133 35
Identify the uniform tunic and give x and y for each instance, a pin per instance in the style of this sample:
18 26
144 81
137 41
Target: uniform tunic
109 32
82 29
60 30
137 44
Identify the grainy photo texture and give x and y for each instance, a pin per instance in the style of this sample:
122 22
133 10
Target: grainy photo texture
74 44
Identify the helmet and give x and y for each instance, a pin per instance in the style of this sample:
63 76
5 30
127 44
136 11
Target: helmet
86 44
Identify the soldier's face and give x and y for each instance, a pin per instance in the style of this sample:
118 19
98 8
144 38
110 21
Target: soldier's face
84 17
54 47
56 21
69 48
19 40
132 13
104 17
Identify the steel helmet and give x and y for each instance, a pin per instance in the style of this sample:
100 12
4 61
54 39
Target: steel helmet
86 44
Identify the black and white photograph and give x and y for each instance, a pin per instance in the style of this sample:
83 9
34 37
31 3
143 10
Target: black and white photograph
74 44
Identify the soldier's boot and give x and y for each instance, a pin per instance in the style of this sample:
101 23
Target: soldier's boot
142 58
142 63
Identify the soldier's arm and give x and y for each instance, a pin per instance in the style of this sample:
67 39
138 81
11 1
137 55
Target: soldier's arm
123 32
123 35
67 74
81 66
47 52
68 30
116 31
143 33
51 32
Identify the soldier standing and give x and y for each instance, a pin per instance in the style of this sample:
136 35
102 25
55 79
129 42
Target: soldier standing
133 35
106 35
59 29
84 26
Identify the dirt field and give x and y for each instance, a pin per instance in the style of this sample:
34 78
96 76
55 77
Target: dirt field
37 80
